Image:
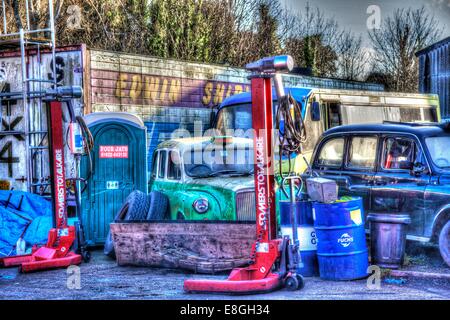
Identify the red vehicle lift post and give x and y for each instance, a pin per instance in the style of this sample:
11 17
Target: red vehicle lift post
57 252
267 250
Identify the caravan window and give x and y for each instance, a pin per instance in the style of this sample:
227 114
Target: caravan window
378 114
334 118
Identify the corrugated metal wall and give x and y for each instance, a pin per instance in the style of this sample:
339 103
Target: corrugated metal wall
434 73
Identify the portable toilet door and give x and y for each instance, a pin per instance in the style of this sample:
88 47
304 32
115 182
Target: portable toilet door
119 166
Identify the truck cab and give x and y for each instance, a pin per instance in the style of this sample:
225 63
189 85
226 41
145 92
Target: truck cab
206 178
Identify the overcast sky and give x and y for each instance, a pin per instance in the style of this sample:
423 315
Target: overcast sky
352 14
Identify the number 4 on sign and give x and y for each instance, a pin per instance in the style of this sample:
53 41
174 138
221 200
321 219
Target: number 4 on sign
9 159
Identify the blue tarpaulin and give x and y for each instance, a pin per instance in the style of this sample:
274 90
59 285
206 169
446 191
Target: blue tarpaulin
24 215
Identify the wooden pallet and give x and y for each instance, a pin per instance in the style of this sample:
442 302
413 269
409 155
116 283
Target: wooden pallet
203 247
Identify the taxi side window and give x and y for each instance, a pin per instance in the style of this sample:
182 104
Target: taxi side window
399 154
362 152
332 153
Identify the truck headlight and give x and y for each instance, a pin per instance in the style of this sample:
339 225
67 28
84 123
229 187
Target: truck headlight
201 205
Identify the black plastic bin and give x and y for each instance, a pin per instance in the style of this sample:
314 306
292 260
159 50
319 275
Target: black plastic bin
388 239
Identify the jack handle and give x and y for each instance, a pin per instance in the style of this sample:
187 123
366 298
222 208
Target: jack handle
292 197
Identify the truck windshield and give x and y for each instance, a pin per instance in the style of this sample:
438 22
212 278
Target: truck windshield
215 161
236 117
438 147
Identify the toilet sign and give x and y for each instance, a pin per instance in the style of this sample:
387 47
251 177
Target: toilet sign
113 152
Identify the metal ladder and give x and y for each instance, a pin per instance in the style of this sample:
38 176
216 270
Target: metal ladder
32 43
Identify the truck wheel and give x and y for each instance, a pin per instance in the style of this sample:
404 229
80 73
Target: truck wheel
444 243
129 210
159 206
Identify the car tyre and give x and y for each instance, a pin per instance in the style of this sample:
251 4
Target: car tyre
444 243
158 206
138 205
132 209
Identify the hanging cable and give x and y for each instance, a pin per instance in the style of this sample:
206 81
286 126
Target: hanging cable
290 125
291 129
88 143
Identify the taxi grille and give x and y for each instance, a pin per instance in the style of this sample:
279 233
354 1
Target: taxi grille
245 206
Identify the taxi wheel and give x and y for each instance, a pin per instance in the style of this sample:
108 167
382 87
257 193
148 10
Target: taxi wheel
444 243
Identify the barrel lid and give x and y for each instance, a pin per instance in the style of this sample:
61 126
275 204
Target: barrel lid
389 218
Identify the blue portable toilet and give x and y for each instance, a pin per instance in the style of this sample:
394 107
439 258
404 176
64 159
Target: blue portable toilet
119 166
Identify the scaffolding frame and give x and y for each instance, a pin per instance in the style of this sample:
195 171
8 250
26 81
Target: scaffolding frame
33 91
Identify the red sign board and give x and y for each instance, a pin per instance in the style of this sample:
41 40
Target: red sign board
114 152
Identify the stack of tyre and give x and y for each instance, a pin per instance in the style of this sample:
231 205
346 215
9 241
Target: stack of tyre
137 207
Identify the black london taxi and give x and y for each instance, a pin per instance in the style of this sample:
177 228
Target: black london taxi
395 168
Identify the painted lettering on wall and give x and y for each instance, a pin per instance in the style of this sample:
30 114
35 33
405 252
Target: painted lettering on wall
132 88
6 156
149 88
8 128
215 92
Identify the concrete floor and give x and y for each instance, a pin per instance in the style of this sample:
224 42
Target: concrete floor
103 279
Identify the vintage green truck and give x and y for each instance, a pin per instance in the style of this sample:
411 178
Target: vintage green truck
205 178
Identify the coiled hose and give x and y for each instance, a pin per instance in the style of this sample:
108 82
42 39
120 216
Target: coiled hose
291 128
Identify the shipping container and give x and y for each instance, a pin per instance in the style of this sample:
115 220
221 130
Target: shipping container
434 73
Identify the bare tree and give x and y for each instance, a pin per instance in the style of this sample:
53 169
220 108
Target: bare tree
37 12
352 59
312 39
256 24
396 42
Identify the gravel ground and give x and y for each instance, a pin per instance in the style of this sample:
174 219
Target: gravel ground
103 279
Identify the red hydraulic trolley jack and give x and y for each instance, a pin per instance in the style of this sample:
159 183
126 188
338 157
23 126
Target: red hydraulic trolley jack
269 269
57 252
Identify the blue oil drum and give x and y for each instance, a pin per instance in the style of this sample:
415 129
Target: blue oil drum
341 247
306 234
